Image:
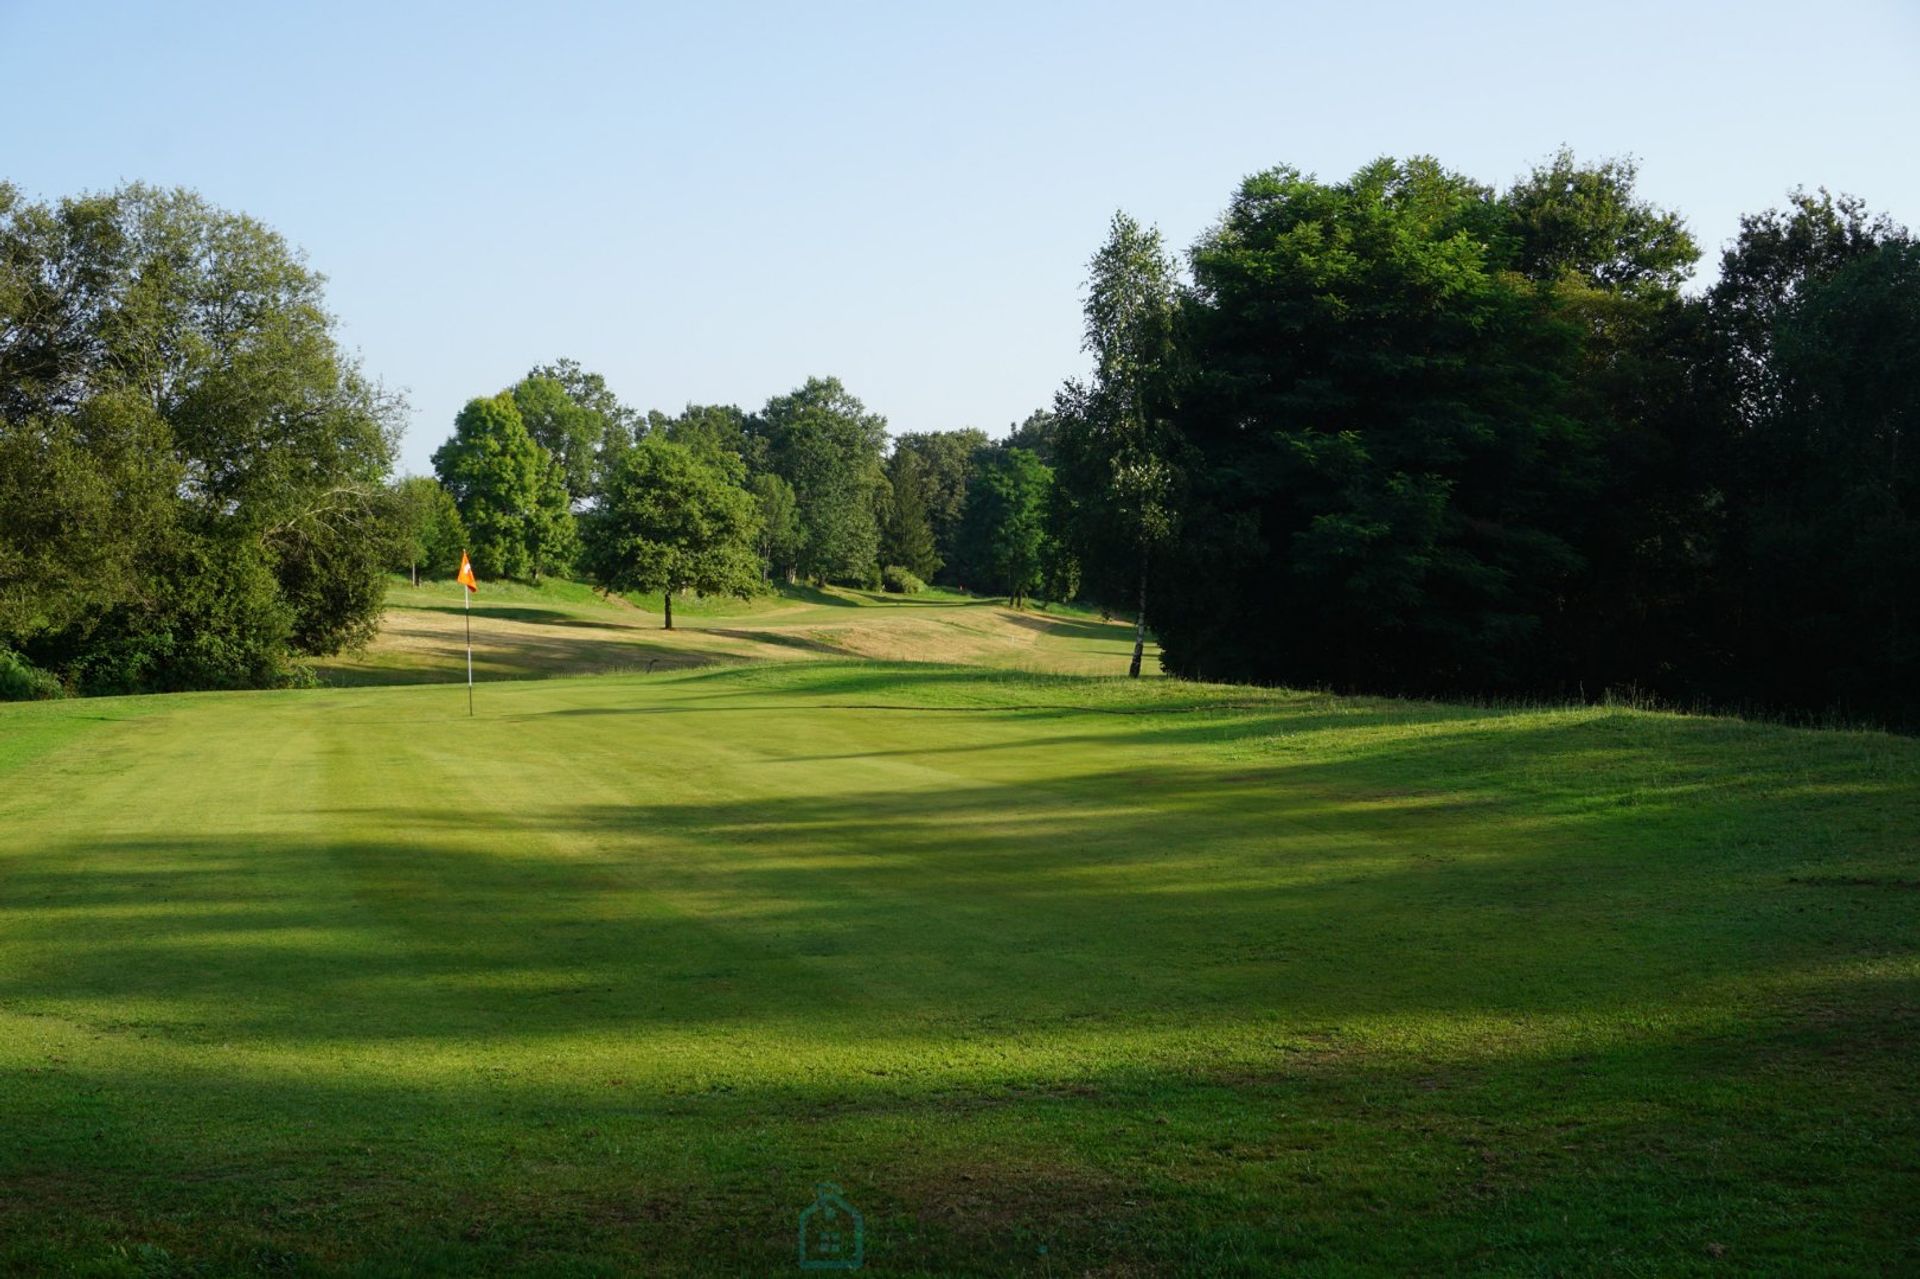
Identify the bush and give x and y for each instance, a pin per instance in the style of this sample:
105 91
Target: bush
897 581
22 681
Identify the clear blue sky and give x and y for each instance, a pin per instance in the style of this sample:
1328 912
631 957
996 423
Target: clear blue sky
712 201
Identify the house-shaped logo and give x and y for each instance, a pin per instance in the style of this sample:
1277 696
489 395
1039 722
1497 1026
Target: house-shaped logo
832 1235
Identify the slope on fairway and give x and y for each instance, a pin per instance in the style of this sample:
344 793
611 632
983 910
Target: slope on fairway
566 628
1050 975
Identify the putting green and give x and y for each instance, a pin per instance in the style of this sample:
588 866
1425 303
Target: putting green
1049 974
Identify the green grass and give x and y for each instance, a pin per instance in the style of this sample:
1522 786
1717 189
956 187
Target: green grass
1053 975
566 628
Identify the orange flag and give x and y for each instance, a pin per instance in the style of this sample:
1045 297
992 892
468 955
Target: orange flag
465 576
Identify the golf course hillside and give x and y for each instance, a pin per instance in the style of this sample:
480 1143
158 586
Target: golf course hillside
1048 974
559 627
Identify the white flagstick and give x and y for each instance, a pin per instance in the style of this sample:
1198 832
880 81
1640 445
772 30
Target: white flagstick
466 598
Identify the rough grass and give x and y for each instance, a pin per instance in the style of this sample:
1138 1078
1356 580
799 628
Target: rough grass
565 628
1052 975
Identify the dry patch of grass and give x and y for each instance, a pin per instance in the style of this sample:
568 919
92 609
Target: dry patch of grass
562 628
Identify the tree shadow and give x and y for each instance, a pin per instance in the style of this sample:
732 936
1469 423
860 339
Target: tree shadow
1416 989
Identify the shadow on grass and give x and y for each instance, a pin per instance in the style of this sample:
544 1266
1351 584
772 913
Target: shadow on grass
522 613
1553 997
780 639
1073 627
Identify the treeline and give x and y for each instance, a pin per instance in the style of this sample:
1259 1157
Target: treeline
1411 434
196 485
556 475
1403 433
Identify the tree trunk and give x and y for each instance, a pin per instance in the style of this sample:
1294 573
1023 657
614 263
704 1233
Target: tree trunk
667 600
1139 624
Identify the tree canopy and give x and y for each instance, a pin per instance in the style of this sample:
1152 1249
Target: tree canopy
511 492
825 444
191 469
673 519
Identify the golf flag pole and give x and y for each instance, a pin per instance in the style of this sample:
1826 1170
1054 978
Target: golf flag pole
467 580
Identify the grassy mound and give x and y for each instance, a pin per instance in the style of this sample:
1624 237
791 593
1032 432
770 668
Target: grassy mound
565 628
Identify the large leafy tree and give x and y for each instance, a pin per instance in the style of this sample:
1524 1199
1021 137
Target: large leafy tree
1382 448
778 540
673 519
192 469
1111 440
1585 221
427 527
1814 324
1607 266
947 460
714 429
1036 433
511 492
584 444
906 534
824 443
1004 531
572 434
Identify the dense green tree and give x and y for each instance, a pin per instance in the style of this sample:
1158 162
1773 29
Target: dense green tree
1817 321
427 528
947 461
571 434
1382 454
618 423
1566 219
714 429
906 535
672 519
1112 444
1035 433
778 541
174 406
1004 530
85 496
511 493
824 443
211 614
1608 266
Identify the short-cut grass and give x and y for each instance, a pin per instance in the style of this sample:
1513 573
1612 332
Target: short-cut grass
1051 975
566 628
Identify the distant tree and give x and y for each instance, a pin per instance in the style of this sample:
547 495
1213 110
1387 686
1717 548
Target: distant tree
1036 435
427 527
511 492
1585 221
947 461
713 428
822 441
778 540
906 535
1112 444
571 434
1004 532
671 519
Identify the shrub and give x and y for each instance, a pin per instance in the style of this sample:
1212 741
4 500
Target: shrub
22 681
897 581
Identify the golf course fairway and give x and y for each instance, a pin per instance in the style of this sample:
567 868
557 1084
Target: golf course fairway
1049 974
